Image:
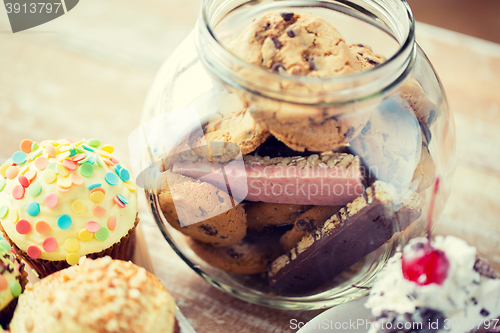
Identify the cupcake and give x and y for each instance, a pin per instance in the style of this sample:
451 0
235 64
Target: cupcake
60 200
13 279
102 295
440 286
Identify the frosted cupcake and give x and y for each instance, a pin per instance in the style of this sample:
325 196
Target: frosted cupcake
60 200
12 282
98 296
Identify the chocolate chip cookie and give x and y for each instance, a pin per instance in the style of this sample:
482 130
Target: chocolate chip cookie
365 58
202 211
263 214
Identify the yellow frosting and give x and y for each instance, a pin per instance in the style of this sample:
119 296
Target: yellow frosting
75 238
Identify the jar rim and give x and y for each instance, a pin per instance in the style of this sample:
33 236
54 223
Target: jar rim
222 65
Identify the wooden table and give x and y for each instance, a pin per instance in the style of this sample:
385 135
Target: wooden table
87 73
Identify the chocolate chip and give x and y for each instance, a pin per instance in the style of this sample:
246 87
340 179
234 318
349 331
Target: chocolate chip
312 65
372 61
474 300
287 16
349 133
366 128
290 33
277 43
484 313
208 229
361 45
233 254
276 68
267 26
304 225
427 132
432 117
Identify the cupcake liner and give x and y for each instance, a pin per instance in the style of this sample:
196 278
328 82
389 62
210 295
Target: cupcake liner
7 312
122 250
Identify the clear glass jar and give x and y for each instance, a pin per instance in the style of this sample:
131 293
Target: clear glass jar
269 158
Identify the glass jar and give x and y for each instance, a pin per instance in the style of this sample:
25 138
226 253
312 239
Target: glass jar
292 191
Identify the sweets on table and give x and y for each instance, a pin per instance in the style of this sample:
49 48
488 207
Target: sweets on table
330 183
60 200
97 296
438 286
13 280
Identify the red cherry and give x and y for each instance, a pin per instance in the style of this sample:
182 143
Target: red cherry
424 264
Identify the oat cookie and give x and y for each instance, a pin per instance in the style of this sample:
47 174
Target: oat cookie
262 214
217 220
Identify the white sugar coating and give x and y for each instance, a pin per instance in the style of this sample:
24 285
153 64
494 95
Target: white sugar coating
102 295
392 292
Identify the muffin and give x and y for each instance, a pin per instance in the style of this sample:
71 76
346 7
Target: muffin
13 279
439 286
61 200
102 295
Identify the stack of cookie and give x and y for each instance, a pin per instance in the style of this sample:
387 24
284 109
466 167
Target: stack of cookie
273 190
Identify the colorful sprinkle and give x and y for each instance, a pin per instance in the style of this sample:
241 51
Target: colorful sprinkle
108 162
36 154
3 283
92 227
3 169
63 142
71 244
33 209
51 150
124 175
102 234
64 222
12 172
35 189
61 170
123 199
19 157
98 189
34 252
91 160
119 202
62 190
87 147
9 187
111 178
4 210
72 152
41 163
72 259
84 235
31 174
49 176
70 165
49 244
118 167
15 288
4 245
112 223
52 166
63 156
76 179
14 216
79 157
23 169
93 186
64 183
42 227
23 227
78 207
23 181
108 149
51 200
18 192
80 150
34 146
112 159
94 143
2 183
99 161
97 197
99 211
86 169
26 146
87 158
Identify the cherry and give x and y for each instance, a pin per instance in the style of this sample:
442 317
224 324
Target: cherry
423 264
